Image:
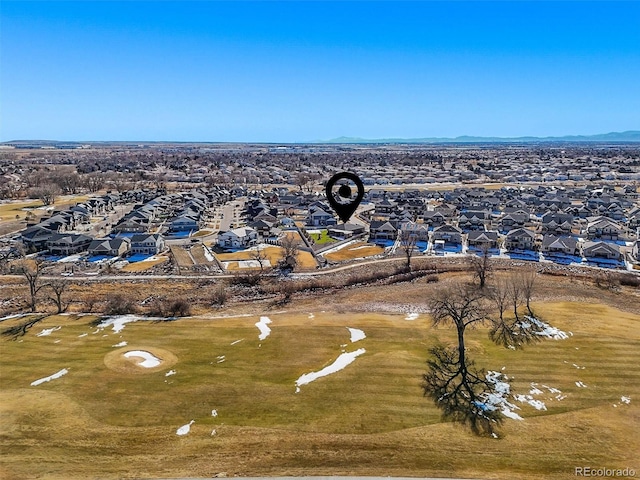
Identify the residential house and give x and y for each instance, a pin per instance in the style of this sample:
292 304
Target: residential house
417 231
602 228
601 250
112 247
554 245
242 237
148 244
381 230
346 230
319 218
481 240
520 239
68 243
449 234
35 238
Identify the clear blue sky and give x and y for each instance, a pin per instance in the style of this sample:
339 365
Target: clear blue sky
298 71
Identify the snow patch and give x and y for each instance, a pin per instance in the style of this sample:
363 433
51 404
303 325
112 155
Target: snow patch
214 413
119 321
498 399
341 362
237 341
626 400
412 316
263 327
62 372
121 344
207 254
169 373
82 335
356 334
48 331
148 360
546 329
184 429
580 385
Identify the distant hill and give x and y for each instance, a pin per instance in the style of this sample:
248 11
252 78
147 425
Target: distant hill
628 136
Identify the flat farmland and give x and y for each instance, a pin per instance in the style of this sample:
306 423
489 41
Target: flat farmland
232 388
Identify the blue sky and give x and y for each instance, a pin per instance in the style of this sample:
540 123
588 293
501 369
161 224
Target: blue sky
299 71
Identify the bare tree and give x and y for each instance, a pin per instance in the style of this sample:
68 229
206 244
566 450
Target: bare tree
527 279
408 242
47 193
32 272
481 266
260 256
58 288
290 248
464 393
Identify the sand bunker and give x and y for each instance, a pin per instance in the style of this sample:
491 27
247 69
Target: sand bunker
139 360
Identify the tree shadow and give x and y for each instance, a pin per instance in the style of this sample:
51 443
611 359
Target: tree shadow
462 391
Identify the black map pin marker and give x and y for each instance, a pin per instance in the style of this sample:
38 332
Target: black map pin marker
343 199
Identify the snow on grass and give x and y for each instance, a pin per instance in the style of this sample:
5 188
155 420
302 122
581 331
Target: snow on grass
184 429
214 413
498 399
169 373
341 362
148 360
48 331
15 315
118 322
62 372
121 344
626 400
82 335
580 385
263 327
546 329
311 316
411 316
207 254
221 358
237 341
356 334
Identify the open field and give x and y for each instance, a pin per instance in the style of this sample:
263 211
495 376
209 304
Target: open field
109 418
353 251
273 254
144 265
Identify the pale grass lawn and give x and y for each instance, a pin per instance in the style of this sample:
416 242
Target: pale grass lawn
368 419
144 265
356 250
273 254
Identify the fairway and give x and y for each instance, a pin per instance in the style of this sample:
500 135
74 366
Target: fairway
236 395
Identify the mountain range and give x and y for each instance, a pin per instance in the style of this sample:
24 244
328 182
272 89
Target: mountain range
628 136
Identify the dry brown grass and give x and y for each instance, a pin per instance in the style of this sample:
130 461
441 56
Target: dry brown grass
273 254
368 419
143 265
356 250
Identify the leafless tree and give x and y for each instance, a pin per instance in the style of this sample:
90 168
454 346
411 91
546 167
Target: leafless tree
457 387
260 256
481 266
47 193
527 279
32 272
408 242
58 288
290 248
